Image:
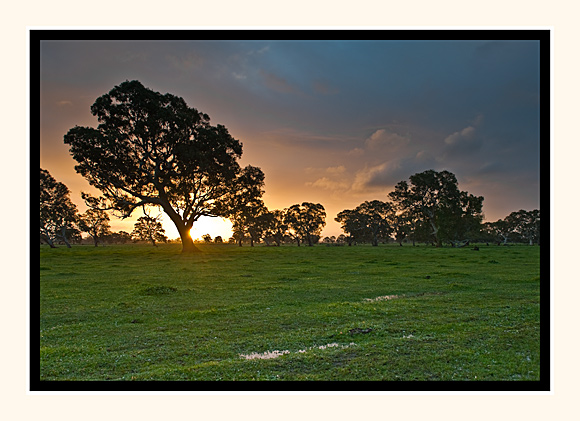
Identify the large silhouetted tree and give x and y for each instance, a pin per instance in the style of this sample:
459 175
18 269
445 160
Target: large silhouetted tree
58 214
153 150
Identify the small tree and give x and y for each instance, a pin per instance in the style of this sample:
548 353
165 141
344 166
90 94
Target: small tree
352 226
368 221
277 227
375 217
306 221
527 225
517 226
244 206
218 239
206 238
401 226
95 222
150 229
121 237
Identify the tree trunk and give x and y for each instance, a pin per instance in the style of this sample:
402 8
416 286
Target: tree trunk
47 238
187 245
63 234
182 227
435 234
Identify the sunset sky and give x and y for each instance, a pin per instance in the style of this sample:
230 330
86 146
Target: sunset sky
331 122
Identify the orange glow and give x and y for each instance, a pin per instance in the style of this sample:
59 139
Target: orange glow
213 227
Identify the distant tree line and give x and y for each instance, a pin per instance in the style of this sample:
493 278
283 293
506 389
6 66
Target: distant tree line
60 222
435 214
518 227
151 150
430 208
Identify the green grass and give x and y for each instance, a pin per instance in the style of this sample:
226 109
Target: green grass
144 313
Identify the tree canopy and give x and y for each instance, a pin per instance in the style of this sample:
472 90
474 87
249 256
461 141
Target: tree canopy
439 206
95 222
58 214
149 229
152 149
244 206
370 220
306 221
521 225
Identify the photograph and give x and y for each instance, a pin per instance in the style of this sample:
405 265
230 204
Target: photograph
291 210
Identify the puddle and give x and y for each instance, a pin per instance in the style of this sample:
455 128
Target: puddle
382 298
268 355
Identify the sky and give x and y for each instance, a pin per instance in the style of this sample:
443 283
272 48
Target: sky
330 122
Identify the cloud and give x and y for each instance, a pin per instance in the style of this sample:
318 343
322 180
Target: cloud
378 176
333 179
387 174
382 138
462 136
64 103
328 184
336 170
424 157
465 141
356 152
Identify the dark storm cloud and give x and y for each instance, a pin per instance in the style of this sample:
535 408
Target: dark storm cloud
381 111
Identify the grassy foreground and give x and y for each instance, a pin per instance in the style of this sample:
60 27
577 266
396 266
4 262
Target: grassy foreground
289 313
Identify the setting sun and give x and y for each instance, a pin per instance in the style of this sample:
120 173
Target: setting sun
213 227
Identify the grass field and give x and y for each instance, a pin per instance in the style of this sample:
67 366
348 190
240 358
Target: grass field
137 312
